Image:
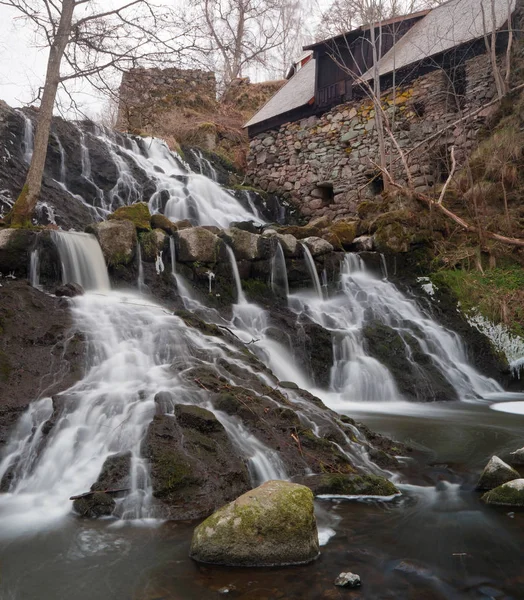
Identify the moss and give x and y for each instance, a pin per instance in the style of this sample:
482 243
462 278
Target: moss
497 294
5 367
172 472
137 213
162 222
148 244
192 320
504 495
257 290
248 188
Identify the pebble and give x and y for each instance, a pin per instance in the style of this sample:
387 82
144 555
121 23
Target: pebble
348 580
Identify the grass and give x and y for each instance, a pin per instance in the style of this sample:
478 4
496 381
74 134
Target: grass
498 293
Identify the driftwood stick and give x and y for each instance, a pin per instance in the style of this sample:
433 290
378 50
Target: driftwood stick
85 494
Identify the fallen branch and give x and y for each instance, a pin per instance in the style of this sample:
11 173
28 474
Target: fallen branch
450 176
459 220
84 495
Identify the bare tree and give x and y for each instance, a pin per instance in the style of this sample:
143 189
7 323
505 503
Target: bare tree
242 32
86 41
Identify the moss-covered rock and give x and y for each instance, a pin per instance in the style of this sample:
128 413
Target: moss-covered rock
162 222
508 494
341 234
137 213
15 248
271 525
335 484
92 506
495 473
152 244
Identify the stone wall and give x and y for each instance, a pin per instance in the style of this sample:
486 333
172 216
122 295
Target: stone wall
326 165
147 94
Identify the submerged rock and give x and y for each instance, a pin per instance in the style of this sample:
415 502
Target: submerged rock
94 505
348 580
349 485
495 473
508 494
273 524
69 290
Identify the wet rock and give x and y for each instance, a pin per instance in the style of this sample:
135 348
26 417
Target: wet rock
317 246
348 580
15 248
249 226
348 485
415 374
517 457
115 473
288 385
161 222
198 245
94 505
271 525
289 243
495 473
117 239
194 466
508 494
364 243
137 213
246 245
69 290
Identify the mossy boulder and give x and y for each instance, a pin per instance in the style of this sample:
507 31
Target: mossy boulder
508 494
341 234
152 244
117 239
496 473
137 213
349 485
92 506
272 525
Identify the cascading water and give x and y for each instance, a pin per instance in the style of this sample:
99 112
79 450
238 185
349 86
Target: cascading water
34 268
364 299
28 138
82 260
312 271
205 167
279 281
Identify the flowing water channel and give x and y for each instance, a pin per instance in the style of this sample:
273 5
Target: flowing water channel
435 541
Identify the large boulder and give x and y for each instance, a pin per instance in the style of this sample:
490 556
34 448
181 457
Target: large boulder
271 525
198 245
246 245
117 239
194 466
517 457
289 243
495 473
508 494
317 246
137 213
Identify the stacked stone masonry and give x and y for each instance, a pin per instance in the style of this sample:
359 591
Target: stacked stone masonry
147 93
326 165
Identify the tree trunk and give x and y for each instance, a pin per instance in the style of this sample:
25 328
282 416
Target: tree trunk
22 211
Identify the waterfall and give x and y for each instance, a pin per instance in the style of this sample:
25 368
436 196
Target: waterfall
205 167
241 298
82 260
34 268
173 255
28 141
140 280
61 151
312 270
279 282
363 300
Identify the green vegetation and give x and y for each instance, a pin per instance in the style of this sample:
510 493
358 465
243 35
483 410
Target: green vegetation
137 213
497 294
